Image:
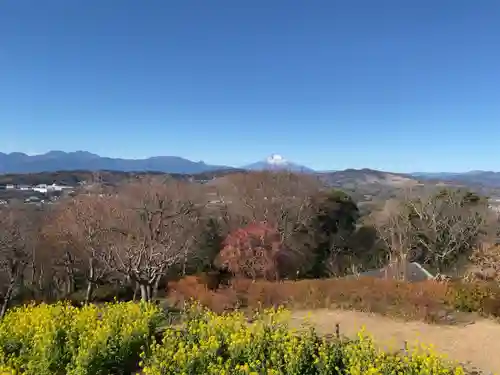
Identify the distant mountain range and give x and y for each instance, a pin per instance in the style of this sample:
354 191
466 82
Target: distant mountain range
52 161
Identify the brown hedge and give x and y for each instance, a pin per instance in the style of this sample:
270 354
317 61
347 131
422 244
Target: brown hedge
429 301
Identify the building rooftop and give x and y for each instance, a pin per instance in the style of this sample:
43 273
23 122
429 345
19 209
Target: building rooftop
411 272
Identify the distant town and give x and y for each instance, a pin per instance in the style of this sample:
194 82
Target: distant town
33 194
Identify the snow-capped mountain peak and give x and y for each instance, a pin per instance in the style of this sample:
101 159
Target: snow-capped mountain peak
276 159
277 162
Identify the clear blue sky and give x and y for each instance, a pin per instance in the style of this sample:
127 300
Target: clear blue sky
393 85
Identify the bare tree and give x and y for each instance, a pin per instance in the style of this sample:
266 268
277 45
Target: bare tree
435 228
448 224
155 224
394 229
81 226
16 250
37 278
55 267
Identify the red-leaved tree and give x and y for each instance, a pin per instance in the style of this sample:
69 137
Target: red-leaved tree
252 252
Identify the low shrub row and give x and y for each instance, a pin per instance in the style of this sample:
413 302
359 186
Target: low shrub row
429 301
118 339
208 343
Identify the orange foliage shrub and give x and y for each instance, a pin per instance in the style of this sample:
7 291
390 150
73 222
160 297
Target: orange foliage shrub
199 289
252 252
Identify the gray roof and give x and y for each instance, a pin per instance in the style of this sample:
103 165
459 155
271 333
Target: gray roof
411 272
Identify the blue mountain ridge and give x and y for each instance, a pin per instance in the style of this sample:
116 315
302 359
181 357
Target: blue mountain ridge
52 161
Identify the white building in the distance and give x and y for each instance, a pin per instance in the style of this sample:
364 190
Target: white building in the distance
44 188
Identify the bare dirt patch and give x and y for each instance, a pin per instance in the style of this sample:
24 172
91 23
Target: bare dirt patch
475 345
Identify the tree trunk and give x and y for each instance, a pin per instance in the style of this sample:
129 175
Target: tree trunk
90 291
144 292
70 286
32 281
155 287
136 291
404 269
6 300
91 281
184 263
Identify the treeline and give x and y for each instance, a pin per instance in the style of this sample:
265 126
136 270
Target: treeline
264 225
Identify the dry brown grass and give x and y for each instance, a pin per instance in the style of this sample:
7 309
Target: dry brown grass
474 345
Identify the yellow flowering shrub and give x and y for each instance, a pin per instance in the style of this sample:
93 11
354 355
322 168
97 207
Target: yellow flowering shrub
207 343
111 339
33 338
108 340
62 339
5 370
